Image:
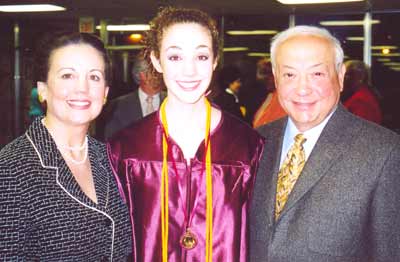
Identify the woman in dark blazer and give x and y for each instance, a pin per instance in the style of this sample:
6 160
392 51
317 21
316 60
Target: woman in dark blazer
58 198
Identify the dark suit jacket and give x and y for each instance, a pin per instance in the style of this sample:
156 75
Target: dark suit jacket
227 103
120 113
345 205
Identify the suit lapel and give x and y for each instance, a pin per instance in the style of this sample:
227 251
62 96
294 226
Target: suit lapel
269 167
138 105
163 95
329 147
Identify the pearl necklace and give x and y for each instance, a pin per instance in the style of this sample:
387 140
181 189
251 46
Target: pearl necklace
84 146
77 148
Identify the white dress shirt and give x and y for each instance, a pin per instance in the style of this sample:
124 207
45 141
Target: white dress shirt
143 102
229 91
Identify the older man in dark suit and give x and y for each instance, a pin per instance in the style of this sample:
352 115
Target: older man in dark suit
127 109
328 185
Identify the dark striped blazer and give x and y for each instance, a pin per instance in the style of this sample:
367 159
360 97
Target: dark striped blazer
44 215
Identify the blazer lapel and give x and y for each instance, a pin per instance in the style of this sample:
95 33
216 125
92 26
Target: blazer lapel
329 147
50 156
43 144
101 173
51 159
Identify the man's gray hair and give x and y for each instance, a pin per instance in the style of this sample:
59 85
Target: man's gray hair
307 30
139 65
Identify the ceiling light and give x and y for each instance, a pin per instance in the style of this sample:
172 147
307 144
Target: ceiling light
258 54
251 32
30 8
347 22
385 55
133 27
235 49
392 64
379 47
135 38
355 38
302 2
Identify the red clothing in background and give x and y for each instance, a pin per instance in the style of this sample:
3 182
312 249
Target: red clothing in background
364 104
269 111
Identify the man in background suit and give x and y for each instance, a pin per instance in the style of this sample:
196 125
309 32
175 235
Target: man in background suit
229 84
129 108
345 204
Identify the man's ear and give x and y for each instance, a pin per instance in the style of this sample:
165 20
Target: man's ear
275 78
341 74
42 89
156 62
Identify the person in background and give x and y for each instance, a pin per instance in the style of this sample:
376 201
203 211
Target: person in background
122 111
253 92
328 184
187 171
59 199
270 110
357 96
229 86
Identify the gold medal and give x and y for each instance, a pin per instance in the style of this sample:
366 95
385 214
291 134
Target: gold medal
188 240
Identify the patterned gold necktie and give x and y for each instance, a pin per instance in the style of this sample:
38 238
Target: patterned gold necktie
289 172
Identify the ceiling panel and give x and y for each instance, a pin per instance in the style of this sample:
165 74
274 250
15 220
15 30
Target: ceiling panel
147 8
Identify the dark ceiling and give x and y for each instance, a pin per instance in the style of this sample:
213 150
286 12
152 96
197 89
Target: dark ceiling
238 14
144 9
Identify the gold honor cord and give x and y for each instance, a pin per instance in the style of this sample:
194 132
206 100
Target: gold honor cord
164 185
209 211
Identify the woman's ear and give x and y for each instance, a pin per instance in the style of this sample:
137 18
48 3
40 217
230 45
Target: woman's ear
156 62
107 89
215 63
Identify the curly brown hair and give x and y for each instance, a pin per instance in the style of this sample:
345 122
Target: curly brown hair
169 16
